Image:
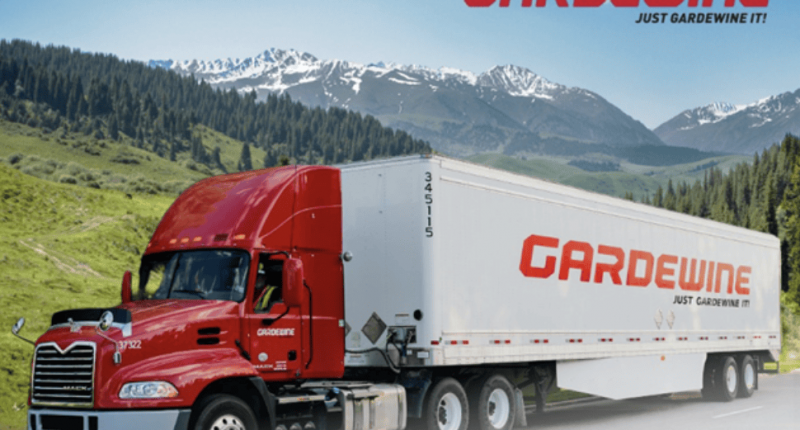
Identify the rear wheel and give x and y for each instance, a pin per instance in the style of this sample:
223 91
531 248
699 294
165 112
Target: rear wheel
727 379
748 378
225 412
492 403
446 407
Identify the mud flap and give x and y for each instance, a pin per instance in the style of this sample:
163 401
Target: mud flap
520 420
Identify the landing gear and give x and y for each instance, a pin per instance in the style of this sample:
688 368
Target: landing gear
543 378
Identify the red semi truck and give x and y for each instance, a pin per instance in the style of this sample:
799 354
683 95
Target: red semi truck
418 288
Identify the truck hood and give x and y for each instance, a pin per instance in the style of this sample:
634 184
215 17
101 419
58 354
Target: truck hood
143 319
170 312
152 337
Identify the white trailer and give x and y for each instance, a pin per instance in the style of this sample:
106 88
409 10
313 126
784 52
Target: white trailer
457 267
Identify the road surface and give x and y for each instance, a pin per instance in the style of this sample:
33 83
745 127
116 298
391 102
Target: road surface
775 406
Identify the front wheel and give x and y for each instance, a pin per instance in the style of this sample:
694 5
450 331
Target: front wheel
446 407
225 412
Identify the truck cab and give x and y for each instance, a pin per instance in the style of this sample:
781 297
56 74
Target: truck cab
238 305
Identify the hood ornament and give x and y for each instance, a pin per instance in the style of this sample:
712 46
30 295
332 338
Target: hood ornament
73 328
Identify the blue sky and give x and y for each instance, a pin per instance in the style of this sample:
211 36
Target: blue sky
650 71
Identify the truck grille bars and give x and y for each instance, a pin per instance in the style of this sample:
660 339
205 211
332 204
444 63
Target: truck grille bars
64 378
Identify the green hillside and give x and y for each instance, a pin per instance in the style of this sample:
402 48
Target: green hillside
61 246
630 178
68 157
58 88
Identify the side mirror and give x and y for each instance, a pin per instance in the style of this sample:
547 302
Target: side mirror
126 286
18 326
293 288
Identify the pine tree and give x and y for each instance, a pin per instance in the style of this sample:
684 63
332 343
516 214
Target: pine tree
791 206
113 127
670 201
215 158
658 197
244 160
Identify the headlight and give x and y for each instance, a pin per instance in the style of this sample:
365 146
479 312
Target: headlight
148 390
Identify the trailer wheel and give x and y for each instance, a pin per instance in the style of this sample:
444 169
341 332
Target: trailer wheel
727 379
748 379
446 407
225 412
493 403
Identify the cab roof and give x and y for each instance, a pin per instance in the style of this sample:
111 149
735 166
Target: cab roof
253 209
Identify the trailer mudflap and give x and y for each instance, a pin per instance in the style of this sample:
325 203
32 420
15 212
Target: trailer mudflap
628 377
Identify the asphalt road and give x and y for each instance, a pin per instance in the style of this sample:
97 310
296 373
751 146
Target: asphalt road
775 406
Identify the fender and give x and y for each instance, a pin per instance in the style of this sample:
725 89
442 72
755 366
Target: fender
267 397
189 371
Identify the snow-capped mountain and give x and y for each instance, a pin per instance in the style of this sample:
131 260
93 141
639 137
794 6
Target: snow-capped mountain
507 108
742 129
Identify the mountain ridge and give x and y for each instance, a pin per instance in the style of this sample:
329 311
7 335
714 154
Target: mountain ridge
507 109
740 129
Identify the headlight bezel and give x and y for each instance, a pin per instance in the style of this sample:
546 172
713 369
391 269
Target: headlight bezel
143 390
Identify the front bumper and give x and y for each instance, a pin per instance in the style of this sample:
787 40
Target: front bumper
51 419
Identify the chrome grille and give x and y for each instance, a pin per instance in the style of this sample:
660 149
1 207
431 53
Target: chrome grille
64 378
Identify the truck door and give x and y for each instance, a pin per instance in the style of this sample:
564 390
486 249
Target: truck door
274 328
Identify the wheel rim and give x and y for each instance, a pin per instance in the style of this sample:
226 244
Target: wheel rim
448 414
749 376
730 379
228 422
498 409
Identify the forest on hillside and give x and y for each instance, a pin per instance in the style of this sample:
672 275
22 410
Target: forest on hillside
100 95
763 195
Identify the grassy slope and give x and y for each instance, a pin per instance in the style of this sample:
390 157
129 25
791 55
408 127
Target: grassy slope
61 246
21 139
230 149
113 165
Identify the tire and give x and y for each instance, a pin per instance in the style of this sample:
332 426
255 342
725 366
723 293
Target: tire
446 407
748 377
726 379
225 412
492 403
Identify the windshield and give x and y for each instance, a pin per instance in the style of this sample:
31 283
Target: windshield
200 275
